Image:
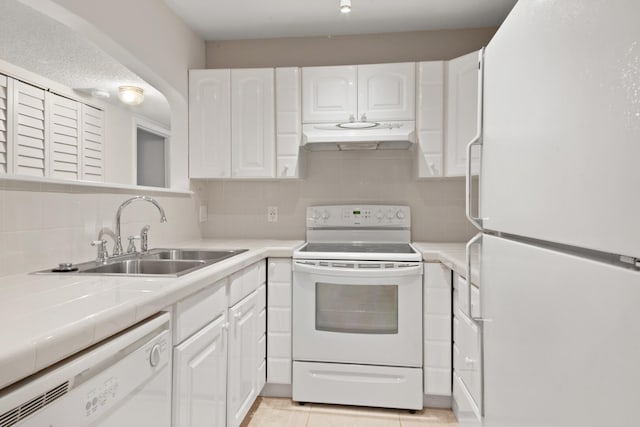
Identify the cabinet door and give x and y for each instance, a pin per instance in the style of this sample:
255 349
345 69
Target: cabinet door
430 119
209 123
93 148
243 351
329 94
279 282
30 155
64 137
462 112
252 123
288 122
200 375
6 87
387 91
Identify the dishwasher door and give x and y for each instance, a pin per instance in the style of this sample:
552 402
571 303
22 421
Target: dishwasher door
123 381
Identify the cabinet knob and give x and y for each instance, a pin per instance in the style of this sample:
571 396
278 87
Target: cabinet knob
469 361
237 315
272 267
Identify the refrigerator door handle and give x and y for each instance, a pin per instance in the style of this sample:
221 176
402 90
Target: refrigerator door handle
476 240
477 140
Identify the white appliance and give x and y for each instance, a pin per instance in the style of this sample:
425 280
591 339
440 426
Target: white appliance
357 309
559 208
358 135
123 381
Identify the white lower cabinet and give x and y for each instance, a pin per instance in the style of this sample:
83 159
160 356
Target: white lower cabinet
219 361
279 321
246 355
437 330
200 377
467 354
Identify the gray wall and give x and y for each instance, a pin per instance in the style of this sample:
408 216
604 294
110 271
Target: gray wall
346 50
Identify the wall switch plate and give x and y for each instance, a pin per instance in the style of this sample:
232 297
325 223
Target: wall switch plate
203 215
272 214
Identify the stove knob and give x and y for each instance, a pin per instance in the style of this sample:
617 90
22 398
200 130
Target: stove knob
379 215
315 215
326 215
390 214
400 215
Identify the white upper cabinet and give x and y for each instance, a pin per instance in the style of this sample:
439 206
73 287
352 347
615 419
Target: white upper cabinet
430 119
329 94
210 123
93 149
462 112
252 123
358 92
288 123
64 137
30 156
386 92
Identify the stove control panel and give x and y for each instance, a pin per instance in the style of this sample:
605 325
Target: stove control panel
383 216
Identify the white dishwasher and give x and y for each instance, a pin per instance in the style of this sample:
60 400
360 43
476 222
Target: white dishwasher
122 381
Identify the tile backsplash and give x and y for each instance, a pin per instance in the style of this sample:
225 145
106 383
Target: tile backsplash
238 209
42 225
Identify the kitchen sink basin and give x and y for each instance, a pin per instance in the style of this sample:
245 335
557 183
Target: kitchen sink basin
191 254
154 263
145 267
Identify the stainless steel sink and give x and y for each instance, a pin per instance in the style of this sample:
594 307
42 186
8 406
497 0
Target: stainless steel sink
172 262
191 254
145 267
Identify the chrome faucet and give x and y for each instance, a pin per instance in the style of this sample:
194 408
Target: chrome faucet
117 249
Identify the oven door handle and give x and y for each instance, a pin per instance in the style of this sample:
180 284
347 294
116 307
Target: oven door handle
409 269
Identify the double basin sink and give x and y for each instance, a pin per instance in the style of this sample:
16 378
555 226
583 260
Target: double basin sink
155 262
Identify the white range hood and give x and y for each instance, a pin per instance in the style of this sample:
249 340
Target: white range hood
358 136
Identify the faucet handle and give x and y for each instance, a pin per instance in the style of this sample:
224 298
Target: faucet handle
103 254
144 238
132 244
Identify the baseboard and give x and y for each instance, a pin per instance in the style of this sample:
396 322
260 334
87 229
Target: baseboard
276 390
431 401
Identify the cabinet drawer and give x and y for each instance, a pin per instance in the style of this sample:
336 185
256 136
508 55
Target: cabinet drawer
465 409
280 270
467 363
245 281
194 312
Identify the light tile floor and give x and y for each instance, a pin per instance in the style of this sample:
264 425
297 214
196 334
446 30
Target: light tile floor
279 412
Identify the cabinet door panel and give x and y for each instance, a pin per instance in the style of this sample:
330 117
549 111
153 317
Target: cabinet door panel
30 155
252 123
462 112
93 145
210 123
329 94
386 91
6 88
64 137
243 350
200 366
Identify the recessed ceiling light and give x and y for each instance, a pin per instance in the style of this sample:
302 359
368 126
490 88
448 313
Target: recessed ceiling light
345 6
131 95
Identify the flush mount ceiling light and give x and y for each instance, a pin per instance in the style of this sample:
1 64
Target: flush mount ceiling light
131 95
345 6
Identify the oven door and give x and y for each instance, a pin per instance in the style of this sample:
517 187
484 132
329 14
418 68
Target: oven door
361 312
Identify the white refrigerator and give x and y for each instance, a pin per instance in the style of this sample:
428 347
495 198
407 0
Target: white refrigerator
559 199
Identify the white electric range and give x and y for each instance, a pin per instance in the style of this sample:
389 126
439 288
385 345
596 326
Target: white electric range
357 309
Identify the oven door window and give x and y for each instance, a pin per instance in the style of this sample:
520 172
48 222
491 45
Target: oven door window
357 309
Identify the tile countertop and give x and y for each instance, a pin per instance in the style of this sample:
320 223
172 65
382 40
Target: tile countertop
46 318
453 255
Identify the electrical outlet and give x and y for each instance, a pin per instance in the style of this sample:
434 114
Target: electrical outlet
203 213
272 214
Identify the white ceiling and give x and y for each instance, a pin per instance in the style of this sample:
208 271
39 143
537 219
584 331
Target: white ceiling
252 19
39 44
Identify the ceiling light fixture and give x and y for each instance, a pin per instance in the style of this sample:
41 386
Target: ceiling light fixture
131 95
345 6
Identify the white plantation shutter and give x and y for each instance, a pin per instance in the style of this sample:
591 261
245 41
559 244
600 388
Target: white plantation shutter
64 137
92 144
4 132
29 129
